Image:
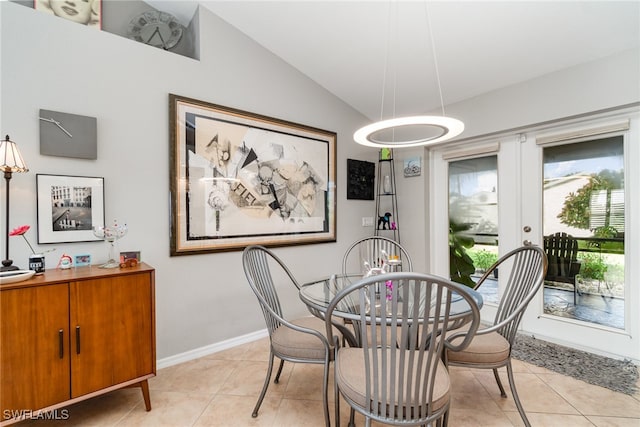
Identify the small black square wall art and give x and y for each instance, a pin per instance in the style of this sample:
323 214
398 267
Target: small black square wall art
360 177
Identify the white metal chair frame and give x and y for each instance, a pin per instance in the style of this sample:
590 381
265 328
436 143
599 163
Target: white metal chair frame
528 269
397 375
255 260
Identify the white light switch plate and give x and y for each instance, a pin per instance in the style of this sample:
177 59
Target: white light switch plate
367 221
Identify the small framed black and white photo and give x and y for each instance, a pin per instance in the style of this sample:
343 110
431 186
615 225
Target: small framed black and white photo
69 207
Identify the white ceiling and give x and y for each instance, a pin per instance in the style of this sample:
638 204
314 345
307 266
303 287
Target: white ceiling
480 46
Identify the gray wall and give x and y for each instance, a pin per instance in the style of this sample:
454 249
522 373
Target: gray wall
51 63
607 83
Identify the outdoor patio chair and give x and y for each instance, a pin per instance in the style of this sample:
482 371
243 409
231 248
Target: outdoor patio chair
562 254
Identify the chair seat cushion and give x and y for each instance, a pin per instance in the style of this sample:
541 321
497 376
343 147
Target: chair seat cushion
488 348
350 378
288 342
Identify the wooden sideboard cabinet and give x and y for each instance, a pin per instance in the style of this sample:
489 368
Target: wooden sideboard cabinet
69 335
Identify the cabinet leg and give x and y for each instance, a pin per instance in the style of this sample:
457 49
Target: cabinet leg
144 385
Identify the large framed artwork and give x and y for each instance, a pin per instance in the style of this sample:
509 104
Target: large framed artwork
239 178
69 207
85 12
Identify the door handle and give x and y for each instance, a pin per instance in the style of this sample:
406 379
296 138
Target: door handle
77 339
61 343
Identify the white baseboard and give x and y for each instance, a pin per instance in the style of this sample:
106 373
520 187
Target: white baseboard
210 349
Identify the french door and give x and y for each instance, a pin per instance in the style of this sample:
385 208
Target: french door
574 178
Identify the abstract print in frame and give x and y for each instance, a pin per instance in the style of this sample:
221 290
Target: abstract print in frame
240 178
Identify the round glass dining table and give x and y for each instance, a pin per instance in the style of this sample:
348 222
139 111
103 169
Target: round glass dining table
317 295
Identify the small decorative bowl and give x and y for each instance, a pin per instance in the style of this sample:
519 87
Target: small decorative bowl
15 276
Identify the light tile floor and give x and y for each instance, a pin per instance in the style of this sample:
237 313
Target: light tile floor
221 390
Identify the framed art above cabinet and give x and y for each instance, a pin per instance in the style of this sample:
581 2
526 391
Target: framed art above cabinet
69 207
85 12
68 135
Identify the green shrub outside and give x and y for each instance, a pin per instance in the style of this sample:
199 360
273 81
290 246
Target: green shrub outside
483 259
593 267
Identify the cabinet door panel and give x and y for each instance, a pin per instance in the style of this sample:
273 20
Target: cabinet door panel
115 339
91 336
33 375
132 348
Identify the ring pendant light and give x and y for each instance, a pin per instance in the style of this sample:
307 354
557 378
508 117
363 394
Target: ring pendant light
411 131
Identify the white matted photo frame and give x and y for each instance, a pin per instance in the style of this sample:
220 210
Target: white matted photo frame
85 12
412 166
240 178
69 207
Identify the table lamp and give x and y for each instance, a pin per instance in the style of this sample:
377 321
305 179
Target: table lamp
11 161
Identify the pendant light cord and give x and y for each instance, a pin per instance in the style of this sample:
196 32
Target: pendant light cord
386 61
435 56
446 128
395 76
395 68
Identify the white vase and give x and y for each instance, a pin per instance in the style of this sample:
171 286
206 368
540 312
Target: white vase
386 184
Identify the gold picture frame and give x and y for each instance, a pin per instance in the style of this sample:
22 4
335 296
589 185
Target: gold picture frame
240 178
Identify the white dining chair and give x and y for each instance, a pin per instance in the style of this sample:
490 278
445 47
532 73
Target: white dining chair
299 340
396 374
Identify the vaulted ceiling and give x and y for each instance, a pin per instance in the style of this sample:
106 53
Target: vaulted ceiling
354 49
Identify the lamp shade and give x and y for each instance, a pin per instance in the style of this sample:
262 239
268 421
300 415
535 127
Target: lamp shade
10 158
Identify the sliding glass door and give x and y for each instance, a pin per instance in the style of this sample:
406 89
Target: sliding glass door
568 189
473 220
583 200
